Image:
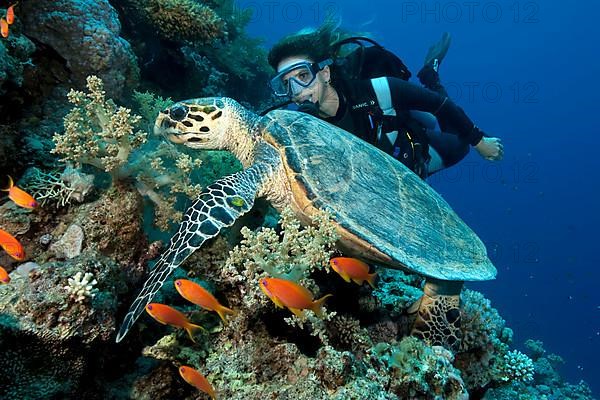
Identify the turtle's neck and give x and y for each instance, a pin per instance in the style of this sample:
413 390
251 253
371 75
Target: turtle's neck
243 131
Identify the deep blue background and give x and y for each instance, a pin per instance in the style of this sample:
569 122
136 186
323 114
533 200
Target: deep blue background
526 71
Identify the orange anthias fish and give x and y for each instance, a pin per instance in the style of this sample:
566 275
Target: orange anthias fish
10 14
289 294
12 246
170 316
196 294
19 196
4 278
354 270
197 380
3 28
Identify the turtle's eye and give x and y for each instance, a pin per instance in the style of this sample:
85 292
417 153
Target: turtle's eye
178 113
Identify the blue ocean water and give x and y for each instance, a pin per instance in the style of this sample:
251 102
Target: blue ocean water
525 71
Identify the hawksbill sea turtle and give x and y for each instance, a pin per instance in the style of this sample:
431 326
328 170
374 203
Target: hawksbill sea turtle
384 213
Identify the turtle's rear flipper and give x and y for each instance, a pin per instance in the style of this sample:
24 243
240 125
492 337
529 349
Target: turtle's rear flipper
438 316
218 206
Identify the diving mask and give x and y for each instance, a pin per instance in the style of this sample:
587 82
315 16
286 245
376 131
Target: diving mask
293 79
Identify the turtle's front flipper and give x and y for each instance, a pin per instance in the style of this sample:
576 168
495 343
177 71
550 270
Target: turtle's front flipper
438 314
218 206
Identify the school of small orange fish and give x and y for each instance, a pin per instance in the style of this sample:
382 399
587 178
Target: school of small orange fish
284 293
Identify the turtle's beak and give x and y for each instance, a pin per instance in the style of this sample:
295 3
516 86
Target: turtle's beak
174 138
164 126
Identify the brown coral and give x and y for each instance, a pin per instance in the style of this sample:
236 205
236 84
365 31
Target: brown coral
113 224
181 19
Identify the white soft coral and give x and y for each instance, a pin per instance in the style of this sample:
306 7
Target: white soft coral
81 287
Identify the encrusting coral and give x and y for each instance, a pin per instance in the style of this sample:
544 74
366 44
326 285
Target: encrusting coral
49 338
85 36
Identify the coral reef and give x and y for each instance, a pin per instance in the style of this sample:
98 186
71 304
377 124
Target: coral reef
15 55
264 350
49 339
81 287
58 188
485 343
185 20
100 134
420 371
88 246
193 49
97 132
37 300
16 52
112 224
85 34
545 382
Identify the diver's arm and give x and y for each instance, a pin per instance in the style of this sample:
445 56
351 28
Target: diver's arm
408 96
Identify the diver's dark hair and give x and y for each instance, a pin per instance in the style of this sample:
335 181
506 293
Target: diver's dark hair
312 43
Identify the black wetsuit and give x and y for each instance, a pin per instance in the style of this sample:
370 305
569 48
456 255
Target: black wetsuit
359 114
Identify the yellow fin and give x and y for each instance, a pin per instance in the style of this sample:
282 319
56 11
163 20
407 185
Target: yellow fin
191 328
10 184
358 281
371 279
298 312
222 311
317 305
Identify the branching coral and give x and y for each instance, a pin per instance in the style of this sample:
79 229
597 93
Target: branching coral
97 132
292 255
547 383
149 105
58 188
517 367
348 334
81 287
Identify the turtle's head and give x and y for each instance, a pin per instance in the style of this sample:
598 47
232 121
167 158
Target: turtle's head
206 123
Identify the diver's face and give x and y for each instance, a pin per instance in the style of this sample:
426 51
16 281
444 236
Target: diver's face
313 92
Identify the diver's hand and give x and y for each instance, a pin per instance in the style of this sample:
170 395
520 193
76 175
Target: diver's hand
490 148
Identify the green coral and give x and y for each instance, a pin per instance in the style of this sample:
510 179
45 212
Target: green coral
149 105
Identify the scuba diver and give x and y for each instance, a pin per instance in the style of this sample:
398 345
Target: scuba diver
367 93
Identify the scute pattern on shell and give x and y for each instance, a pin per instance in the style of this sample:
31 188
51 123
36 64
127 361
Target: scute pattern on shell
378 199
